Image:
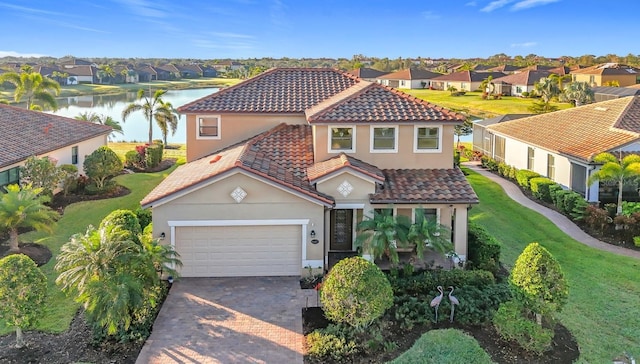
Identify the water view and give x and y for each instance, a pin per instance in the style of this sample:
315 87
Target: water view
136 126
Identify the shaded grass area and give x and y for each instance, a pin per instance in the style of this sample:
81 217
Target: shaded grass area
473 103
444 346
60 309
602 311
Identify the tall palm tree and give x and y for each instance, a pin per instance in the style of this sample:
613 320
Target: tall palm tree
105 71
560 79
547 88
579 93
102 120
487 85
167 121
24 208
32 86
153 108
616 170
383 234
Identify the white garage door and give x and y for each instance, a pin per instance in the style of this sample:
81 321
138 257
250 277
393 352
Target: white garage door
233 251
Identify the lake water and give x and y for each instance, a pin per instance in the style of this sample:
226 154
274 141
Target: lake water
136 128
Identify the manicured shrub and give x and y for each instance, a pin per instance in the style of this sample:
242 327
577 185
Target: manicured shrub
23 288
559 199
153 155
133 159
578 209
596 218
512 324
355 292
327 342
127 221
424 284
524 175
484 250
144 217
69 178
540 281
513 172
571 200
40 173
101 165
525 94
444 346
540 188
503 169
554 189
629 208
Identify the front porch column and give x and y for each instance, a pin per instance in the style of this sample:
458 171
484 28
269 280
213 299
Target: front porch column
460 234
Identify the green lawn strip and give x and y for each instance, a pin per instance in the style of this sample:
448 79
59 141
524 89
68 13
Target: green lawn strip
444 346
602 312
473 103
61 309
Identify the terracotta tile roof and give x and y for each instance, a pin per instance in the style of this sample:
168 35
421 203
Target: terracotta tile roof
468 76
371 102
367 72
580 132
340 162
80 70
280 155
560 70
523 78
608 69
505 68
425 186
537 67
280 90
25 133
410 74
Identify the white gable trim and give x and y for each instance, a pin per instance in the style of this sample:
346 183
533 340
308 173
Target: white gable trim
346 170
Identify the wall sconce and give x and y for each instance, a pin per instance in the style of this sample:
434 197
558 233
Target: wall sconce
313 233
162 235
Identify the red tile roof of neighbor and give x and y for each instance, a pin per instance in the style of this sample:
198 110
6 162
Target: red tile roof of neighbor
280 90
425 186
368 102
523 78
410 74
280 155
608 69
468 76
580 132
342 162
25 133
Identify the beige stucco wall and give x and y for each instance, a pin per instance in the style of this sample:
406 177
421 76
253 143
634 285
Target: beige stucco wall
361 188
403 158
233 128
263 202
599 80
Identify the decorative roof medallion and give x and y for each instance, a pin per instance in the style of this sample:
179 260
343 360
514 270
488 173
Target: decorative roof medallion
238 194
345 188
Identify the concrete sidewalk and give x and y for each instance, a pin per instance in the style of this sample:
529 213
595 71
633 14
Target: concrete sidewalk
566 225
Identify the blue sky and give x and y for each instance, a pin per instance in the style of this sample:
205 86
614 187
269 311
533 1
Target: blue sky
209 29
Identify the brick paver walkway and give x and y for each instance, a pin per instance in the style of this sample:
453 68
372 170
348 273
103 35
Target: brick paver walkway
229 320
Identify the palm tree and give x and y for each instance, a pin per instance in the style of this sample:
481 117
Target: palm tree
428 233
579 93
547 88
383 233
452 89
167 121
560 79
105 71
153 108
616 170
102 120
24 208
33 86
487 85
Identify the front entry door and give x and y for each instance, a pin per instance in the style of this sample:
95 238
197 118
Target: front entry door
341 229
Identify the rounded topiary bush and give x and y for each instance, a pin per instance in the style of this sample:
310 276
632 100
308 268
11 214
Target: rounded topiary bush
127 221
355 292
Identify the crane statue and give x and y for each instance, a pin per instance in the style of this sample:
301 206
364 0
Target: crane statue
436 301
454 301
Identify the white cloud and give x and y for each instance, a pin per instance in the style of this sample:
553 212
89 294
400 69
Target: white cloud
30 10
524 45
471 3
17 54
430 15
496 4
526 4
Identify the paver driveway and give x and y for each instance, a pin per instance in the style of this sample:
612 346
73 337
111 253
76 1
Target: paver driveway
229 320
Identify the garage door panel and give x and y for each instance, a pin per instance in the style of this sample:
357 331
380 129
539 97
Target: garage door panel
222 251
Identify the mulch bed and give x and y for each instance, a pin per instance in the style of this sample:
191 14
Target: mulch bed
39 253
564 346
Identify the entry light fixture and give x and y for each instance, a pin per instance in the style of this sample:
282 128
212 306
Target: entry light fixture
313 233
162 235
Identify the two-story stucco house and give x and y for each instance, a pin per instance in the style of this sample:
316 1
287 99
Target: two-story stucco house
281 168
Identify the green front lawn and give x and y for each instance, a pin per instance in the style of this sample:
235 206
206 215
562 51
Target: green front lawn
473 103
602 311
60 309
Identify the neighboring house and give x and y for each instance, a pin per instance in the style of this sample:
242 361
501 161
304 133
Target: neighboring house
517 83
76 62
483 139
410 78
28 133
282 167
537 67
367 74
208 71
168 72
604 93
505 68
604 74
224 66
463 80
80 74
190 70
126 74
561 145
146 73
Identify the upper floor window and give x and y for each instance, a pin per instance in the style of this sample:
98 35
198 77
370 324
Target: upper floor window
10 176
74 155
208 127
427 139
531 153
342 139
384 139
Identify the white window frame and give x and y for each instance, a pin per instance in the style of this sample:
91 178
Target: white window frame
372 129
415 139
415 210
199 117
330 139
